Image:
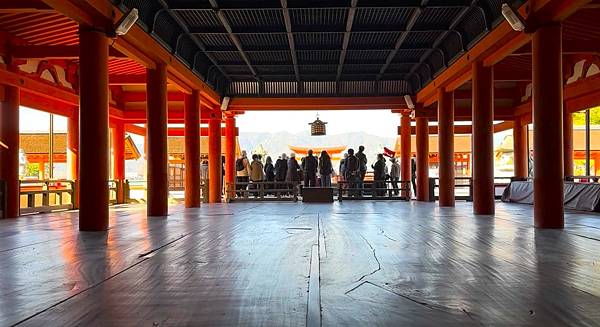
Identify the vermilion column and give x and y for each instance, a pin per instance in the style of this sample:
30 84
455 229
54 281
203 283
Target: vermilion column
73 152
214 159
72 145
520 149
9 132
446 147
156 135
422 159
405 147
568 141
547 127
230 153
192 150
94 160
483 139
119 159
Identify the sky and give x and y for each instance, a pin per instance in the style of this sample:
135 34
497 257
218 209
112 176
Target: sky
375 122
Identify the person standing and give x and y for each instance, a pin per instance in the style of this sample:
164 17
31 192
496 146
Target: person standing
204 172
325 169
256 173
293 171
342 172
242 167
379 175
309 166
352 172
362 158
281 168
413 173
269 173
395 175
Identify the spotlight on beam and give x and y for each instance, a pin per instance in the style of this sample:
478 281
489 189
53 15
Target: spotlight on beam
513 18
126 22
409 102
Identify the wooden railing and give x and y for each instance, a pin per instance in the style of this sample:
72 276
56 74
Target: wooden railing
38 196
265 191
460 183
583 179
347 190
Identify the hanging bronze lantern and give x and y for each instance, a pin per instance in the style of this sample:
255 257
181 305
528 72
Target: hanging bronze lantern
317 127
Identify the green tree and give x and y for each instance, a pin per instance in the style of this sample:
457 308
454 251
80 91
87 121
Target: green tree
32 169
579 117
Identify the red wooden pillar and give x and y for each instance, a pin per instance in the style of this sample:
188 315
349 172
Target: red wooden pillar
422 159
483 139
9 133
192 150
215 168
94 150
156 135
230 139
119 159
405 150
446 147
548 127
72 145
568 141
521 161
73 153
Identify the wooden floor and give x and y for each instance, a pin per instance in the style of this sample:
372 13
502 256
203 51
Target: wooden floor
292 264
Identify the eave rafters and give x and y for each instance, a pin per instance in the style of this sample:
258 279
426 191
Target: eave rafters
409 26
347 34
232 36
290 36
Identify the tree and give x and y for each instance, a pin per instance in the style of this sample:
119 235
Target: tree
579 117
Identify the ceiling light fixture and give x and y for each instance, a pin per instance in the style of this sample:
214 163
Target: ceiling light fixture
409 102
126 22
225 103
513 18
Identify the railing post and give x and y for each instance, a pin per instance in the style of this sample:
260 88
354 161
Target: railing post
46 196
431 189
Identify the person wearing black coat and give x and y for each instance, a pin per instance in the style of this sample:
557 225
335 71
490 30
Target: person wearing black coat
379 175
325 169
310 165
269 174
281 168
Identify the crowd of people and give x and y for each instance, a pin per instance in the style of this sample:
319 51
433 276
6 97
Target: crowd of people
318 171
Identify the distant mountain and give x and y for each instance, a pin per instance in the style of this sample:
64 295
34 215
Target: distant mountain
277 143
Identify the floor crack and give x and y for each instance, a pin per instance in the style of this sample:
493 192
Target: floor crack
382 232
374 256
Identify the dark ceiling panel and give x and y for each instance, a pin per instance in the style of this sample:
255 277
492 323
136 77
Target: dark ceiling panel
379 46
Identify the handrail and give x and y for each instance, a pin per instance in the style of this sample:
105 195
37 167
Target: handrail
265 191
433 185
402 192
52 195
582 179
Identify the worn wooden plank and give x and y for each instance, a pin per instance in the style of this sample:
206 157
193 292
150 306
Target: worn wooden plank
380 263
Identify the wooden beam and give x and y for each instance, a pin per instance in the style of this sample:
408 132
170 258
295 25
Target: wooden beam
101 14
500 42
464 113
138 79
52 52
320 103
141 96
464 129
175 116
